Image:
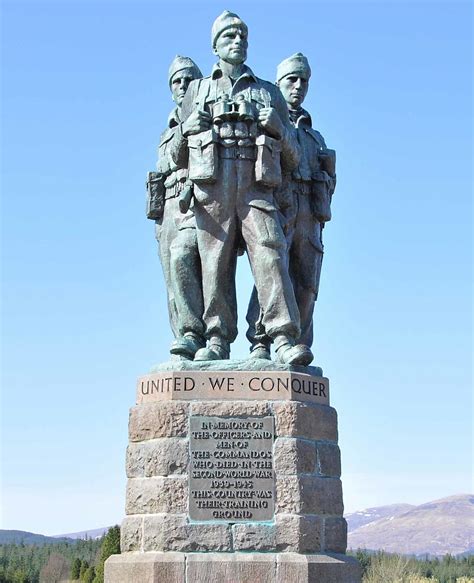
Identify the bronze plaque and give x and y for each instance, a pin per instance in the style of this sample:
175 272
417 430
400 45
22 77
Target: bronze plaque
231 469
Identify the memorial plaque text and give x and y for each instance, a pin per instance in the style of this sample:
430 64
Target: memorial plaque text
231 474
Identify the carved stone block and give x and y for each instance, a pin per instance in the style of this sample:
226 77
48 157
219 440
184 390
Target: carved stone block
155 495
299 534
295 419
146 568
335 534
169 419
294 456
131 534
328 460
157 457
167 532
308 494
239 567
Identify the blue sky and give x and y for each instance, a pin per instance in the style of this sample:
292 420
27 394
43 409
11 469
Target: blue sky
84 99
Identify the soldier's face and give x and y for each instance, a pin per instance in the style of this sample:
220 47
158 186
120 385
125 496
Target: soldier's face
180 83
231 45
294 89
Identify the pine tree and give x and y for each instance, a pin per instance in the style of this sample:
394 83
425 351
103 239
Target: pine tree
76 569
84 567
89 575
110 546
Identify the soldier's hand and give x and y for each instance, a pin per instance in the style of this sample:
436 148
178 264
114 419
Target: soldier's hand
199 121
270 120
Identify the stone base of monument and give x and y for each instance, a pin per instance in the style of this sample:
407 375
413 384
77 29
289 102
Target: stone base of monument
233 477
232 568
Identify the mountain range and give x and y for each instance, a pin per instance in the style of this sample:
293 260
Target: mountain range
94 533
19 537
31 538
435 528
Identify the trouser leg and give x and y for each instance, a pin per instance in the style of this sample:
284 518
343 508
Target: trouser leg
256 333
165 232
186 279
306 255
216 224
266 247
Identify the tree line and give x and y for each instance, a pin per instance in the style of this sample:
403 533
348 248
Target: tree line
378 567
82 560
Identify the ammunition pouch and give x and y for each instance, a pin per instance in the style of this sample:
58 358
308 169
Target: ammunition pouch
155 200
327 161
203 159
267 165
321 196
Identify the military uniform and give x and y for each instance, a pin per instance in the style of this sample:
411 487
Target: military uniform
176 233
304 201
304 220
235 168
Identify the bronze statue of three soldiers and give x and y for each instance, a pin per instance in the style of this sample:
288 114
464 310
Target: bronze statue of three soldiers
240 169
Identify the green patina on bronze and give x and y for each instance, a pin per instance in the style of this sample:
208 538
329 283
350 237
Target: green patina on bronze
241 169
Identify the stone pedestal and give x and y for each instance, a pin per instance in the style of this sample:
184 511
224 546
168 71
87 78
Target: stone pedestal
233 477
234 567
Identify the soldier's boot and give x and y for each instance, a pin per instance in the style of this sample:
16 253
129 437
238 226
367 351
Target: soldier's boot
187 345
217 349
288 353
260 350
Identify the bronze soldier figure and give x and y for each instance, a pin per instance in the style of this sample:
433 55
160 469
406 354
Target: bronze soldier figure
176 231
236 138
304 201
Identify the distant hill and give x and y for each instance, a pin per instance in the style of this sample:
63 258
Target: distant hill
357 519
436 528
94 533
29 538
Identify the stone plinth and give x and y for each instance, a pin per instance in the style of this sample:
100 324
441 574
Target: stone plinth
227 483
231 568
273 385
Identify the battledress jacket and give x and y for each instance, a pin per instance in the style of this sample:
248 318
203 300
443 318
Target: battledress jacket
312 143
309 170
165 163
205 93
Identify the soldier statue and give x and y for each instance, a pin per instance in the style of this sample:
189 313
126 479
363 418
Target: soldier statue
304 201
311 185
236 140
175 230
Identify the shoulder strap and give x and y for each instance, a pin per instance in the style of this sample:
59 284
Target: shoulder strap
201 96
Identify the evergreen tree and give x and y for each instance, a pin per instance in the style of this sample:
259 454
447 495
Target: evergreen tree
76 568
82 572
89 575
20 576
110 546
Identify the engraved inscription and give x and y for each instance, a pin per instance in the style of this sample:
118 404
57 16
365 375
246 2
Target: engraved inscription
231 474
267 385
